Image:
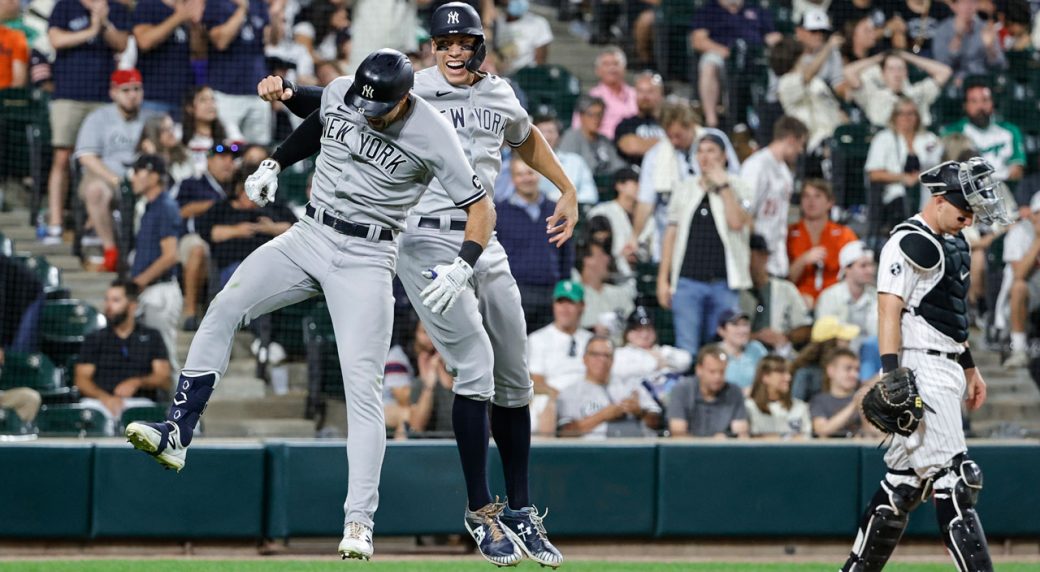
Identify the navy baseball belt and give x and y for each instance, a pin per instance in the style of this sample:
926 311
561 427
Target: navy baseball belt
346 227
434 222
948 355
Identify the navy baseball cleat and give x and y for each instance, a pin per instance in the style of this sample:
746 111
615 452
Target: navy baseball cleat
160 440
524 527
487 530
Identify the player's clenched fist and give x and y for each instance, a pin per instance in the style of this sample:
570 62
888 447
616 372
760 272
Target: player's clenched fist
274 88
448 282
263 183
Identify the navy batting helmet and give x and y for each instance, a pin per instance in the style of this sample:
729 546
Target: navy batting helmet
460 18
382 80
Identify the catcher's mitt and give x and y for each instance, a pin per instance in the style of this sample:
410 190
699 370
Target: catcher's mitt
893 404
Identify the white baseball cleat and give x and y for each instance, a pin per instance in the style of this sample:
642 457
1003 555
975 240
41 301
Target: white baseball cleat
160 440
357 542
1017 359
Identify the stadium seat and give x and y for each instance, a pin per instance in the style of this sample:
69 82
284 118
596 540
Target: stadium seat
154 413
47 273
63 326
6 246
849 148
35 371
672 37
550 85
292 183
73 420
323 373
24 130
12 424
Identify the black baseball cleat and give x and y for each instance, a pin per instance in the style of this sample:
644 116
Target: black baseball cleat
494 544
526 529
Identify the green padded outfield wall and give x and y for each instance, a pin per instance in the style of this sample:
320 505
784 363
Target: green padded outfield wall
45 490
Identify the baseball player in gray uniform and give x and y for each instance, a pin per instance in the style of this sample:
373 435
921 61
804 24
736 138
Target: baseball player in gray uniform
923 325
482 337
378 146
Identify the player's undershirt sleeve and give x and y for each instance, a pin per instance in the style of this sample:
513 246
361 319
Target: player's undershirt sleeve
305 100
303 142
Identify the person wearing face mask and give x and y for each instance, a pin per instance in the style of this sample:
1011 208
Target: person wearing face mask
523 38
124 364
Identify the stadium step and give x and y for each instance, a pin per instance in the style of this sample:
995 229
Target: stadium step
235 386
259 428
289 406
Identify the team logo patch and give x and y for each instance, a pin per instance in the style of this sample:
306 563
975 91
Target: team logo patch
476 183
367 91
896 269
453 17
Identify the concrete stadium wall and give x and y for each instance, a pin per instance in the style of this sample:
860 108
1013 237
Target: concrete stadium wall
635 489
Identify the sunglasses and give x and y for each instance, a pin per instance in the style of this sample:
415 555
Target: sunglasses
221 148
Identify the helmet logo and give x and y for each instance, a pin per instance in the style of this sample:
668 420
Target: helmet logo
367 91
453 17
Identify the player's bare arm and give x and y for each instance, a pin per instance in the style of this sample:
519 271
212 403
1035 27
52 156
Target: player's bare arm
890 337
535 151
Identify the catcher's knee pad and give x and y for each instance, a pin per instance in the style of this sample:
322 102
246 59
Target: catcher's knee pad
882 525
956 493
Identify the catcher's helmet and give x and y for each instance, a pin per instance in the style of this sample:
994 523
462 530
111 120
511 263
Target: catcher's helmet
382 80
970 186
460 18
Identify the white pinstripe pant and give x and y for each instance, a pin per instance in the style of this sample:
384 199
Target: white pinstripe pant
940 437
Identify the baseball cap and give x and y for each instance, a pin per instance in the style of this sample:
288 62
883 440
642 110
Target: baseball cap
850 253
123 77
816 21
830 327
731 316
759 244
639 318
569 290
1034 203
153 163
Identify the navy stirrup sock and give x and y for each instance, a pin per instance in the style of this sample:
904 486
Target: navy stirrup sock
511 427
469 419
189 402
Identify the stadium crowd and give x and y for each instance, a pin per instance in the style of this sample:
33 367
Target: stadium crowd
722 281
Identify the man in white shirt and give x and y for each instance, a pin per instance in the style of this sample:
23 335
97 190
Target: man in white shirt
522 38
601 297
1021 254
768 172
853 300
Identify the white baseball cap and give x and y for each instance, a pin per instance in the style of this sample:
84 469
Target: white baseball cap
816 20
1034 203
850 253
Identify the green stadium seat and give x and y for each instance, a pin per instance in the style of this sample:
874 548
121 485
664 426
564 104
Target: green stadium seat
1024 67
287 324
12 424
35 371
672 37
550 85
64 324
49 274
849 148
73 420
24 129
154 413
292 183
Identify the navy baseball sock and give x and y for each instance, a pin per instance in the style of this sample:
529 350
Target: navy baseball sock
511 427
469 419
189 402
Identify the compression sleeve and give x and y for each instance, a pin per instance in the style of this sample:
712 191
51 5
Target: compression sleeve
305 100
303 142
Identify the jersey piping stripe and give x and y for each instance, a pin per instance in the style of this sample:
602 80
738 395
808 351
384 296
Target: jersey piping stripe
481 194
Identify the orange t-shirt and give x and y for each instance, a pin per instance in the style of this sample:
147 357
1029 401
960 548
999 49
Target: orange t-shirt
833 237
13 48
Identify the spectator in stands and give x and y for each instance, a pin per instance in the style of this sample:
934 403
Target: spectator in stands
707 405
162 29
105 148
159 137
202 128
1016 25
821 49
704 259
637 134
379 24
154 270
12 17
431 394
815 241
124 364
14 58
619 213
554 353
897 155
716 29
966 43
878 82
999 142
399 378
778 314
537 265
521 38
853 300
238 30
835 410
913 23
742 352
317 26
828 333
619 98
642 358
600 406
768 173
194 197
586 141
85 35
25 401
861 38
573 164
772 412
1021 253
804 93
843 14
669 163
604 302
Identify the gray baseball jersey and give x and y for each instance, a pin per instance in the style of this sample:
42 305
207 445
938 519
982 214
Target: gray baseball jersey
369 177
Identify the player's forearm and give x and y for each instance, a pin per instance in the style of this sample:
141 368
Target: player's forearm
306 100
890 311
303 142
480 221
535 151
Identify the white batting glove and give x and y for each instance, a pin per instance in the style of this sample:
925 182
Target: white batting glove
449 280
263 183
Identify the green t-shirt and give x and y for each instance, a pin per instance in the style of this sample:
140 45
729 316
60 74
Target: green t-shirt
1000 144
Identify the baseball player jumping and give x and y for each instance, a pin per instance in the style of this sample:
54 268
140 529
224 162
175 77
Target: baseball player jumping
378 148
923 337
482 336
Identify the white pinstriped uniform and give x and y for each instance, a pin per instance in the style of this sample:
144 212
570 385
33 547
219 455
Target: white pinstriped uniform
940 380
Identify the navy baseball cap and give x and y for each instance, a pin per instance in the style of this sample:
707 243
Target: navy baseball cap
153 163
731 317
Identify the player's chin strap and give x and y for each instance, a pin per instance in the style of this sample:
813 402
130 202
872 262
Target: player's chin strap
957 490
885 519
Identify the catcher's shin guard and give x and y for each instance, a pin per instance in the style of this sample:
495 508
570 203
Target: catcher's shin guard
882 526
956 493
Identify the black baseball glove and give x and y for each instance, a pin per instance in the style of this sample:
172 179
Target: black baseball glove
893 404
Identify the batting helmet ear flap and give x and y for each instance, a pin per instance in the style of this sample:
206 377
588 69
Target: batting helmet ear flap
480 52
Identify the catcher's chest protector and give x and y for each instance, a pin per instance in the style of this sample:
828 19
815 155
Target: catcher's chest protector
945 307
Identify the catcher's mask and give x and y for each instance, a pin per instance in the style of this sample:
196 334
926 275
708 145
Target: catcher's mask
970 186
